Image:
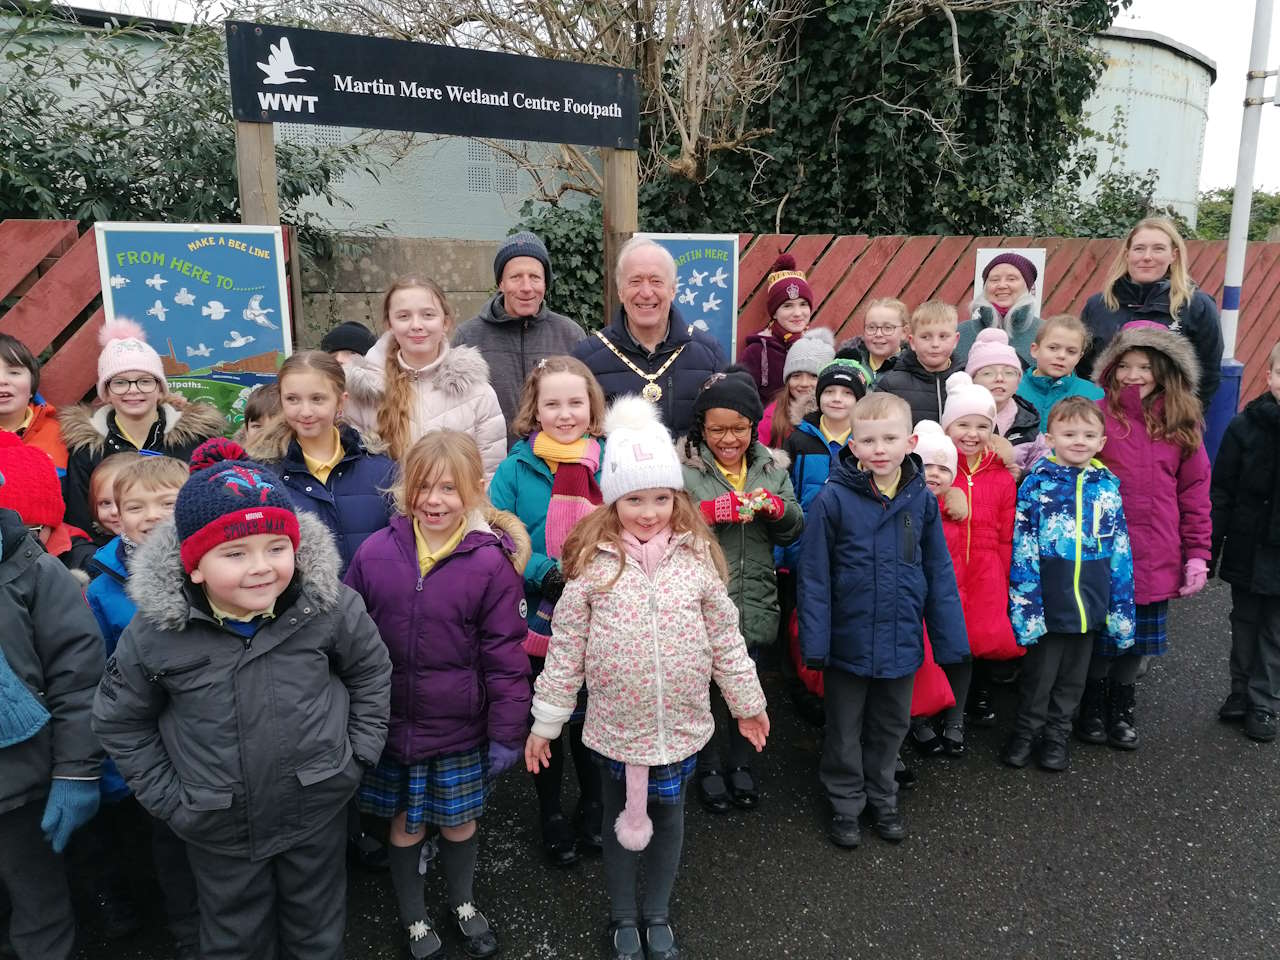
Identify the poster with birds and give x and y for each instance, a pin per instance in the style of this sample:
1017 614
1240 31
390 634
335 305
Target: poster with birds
188 285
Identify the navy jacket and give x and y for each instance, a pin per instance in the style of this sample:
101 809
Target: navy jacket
113 609
1245 491
870 571
925 390
1198 321
351 503
681 382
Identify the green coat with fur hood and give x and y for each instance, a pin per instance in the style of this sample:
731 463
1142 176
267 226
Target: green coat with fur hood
748 547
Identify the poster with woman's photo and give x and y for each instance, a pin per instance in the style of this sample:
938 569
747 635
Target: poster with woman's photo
1007 283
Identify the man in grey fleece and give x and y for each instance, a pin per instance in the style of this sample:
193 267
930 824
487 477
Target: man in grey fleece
515 329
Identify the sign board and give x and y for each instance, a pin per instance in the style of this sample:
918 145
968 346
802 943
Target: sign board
1034 254
706 282
282 74
212 299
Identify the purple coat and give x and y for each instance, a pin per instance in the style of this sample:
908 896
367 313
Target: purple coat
459 674
764 355
1165 497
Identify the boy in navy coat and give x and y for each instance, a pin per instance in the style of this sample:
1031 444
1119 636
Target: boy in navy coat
873 565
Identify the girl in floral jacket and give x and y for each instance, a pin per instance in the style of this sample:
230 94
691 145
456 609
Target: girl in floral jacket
646 619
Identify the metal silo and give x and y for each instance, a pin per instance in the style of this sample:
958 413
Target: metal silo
1161 87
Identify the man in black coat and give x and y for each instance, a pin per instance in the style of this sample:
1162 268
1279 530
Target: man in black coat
649 349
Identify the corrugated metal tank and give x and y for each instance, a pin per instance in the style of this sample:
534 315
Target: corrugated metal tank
1161 87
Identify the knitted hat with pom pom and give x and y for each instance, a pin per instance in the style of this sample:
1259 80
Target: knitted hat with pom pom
125 350
229 497
810 353
639 454
991 347
33 490
934 447
785 283
965 398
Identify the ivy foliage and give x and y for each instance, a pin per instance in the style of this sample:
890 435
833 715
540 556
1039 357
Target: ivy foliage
873 132
133 123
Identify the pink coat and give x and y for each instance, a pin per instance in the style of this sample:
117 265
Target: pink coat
1165 497
648 648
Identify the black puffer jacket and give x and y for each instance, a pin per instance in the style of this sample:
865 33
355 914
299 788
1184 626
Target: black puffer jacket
1198 321
700 356
855 348
1244 493
1026 423
51 643
924 390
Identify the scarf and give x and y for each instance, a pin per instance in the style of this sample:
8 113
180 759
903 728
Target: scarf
574 494
1000 311
650 552
1005 418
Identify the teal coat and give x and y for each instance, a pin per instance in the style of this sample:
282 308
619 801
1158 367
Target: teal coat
1043 392
1023 325
522 485
748 547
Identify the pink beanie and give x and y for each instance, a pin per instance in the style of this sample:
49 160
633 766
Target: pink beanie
965 398
991 347
935 447
125 350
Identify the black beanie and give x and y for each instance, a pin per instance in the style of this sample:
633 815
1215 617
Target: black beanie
733 389
843 372
349 335
524 244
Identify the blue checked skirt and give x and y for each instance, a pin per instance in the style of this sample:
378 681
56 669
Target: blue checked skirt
1151 633
446 791
666 783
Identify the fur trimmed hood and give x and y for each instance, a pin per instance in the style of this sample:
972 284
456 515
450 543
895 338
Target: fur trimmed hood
273 443
505 526
84 426
693 458
1021 313
159 586
1150 336
455 373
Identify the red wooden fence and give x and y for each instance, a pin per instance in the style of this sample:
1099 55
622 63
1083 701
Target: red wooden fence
53 273
848 272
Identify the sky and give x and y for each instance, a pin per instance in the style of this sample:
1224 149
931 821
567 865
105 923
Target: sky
1224 37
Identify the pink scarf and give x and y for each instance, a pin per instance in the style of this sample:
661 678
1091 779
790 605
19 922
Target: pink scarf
649 553
1005 417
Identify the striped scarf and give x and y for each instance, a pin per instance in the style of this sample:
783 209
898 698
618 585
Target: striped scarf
574 494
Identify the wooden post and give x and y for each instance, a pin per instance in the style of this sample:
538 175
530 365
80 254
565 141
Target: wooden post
621 217
256 173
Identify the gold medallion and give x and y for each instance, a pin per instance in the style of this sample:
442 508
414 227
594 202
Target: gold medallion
651 392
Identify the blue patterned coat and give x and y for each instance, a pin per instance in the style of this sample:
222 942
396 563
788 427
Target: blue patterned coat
1072 569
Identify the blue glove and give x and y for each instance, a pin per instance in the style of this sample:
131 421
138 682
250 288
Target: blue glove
72 804
502 757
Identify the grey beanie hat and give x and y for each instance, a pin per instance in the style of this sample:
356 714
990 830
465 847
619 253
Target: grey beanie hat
810 353
522 244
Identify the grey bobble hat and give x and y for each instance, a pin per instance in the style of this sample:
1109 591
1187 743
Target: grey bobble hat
810 353
524 244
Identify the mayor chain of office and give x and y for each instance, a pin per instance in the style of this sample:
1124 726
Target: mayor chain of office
474 95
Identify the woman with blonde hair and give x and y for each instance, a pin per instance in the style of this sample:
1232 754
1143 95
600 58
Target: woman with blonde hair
1148 280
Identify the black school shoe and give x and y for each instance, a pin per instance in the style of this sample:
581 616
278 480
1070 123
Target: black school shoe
742 788
1233 708
712 792
924 739
844 832
660 939
1091 721
478 938
424 942
888 823
1017 752
557 841
904 775
1053 754
953 738
1260 725
624 942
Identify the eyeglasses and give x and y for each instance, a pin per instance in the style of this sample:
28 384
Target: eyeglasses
120 386
877 329
719 433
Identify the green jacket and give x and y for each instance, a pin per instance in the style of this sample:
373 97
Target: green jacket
748 547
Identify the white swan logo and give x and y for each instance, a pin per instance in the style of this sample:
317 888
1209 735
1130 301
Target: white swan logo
280 64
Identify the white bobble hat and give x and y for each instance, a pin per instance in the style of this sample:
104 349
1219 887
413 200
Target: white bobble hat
638 452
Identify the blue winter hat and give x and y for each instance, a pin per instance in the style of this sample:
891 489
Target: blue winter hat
524 244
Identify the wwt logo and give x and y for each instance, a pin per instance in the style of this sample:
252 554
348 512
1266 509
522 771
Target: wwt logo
280 63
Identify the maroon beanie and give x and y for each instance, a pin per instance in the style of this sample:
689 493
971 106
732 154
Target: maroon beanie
786 283
1018 262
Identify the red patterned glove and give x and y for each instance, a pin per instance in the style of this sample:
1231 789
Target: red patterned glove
771 506
725 508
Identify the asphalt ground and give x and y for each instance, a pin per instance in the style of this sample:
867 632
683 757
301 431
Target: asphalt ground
1170 851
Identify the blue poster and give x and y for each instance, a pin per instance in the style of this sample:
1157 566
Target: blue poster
706 282
212 299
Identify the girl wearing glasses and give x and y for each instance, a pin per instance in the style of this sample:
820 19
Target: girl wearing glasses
136 415
742 488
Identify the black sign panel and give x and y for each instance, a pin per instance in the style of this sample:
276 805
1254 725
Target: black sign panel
288 75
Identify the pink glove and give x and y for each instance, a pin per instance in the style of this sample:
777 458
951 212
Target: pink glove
772 507
1195 573
723 509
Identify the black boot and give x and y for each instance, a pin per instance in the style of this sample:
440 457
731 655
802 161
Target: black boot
1121 732
1091 722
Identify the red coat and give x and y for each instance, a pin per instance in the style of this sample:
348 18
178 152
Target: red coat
982 555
